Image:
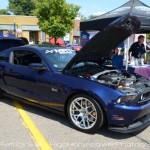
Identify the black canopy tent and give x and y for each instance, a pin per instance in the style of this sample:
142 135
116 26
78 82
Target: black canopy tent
131 8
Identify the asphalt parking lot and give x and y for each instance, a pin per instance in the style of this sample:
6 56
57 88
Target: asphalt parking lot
58 133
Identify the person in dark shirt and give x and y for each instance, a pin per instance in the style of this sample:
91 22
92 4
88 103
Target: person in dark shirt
137 51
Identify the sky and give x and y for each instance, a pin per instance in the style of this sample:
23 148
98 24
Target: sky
90 7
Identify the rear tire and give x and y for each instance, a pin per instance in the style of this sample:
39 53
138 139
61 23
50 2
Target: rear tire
85 114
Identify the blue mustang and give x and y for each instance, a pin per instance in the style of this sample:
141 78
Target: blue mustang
80 86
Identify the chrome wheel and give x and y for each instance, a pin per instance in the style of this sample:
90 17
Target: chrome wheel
83 113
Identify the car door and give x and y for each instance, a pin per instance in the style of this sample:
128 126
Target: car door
20 81
19 78
49 89
35 85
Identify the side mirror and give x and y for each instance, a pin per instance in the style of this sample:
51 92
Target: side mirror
36 66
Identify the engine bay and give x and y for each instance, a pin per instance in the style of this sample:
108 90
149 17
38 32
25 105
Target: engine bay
122 80
119 79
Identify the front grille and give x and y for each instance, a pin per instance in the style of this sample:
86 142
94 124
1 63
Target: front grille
144 96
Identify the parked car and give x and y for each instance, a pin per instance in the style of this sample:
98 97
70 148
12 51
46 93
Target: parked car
7 41
75 47
66 42
59 41
79 86
46 43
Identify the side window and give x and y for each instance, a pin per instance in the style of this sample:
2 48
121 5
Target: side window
2 55
24 58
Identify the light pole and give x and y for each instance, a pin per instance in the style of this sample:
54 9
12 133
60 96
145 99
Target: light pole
14 27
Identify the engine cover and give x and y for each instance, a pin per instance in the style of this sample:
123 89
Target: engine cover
113 77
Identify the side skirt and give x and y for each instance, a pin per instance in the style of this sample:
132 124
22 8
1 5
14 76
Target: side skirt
34 104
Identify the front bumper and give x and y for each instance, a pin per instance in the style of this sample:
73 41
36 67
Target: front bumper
138 125
131 118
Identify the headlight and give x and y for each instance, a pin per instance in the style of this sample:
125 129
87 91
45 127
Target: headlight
128 98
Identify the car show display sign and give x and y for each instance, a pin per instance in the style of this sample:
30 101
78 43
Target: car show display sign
85 37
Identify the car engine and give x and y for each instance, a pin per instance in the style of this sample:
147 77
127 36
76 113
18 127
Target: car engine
122 80
119 79
113 77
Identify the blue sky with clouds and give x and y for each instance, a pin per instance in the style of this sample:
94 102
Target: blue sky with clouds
89 7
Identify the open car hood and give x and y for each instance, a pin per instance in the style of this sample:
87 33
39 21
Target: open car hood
99 47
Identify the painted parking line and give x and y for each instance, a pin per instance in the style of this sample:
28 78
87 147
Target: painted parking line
29 124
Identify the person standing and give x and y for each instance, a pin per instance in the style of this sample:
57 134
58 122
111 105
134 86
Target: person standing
74 41
137 51
31 42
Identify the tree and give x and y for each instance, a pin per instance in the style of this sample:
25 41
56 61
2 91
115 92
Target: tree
92 16
22 7
56 17
82 17
4 12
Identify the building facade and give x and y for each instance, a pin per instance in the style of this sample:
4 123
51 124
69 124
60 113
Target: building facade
76 31
27 26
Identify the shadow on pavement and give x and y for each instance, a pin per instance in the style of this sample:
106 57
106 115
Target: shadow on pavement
53 116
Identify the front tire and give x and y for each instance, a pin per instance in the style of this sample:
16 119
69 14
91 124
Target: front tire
85 113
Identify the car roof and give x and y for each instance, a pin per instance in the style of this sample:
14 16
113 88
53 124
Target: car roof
40 47
8 37
9 40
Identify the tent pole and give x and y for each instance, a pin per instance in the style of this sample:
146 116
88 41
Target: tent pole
126 49
126 52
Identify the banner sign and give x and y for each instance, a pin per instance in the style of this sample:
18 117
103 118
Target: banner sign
85 37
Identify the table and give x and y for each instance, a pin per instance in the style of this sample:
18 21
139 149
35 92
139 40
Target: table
141 70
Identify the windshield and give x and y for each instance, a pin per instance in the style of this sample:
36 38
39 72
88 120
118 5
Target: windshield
59 58
8 43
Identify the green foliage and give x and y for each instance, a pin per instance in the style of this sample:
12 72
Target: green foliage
82 17
22 7
56 17
92 17
4 12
